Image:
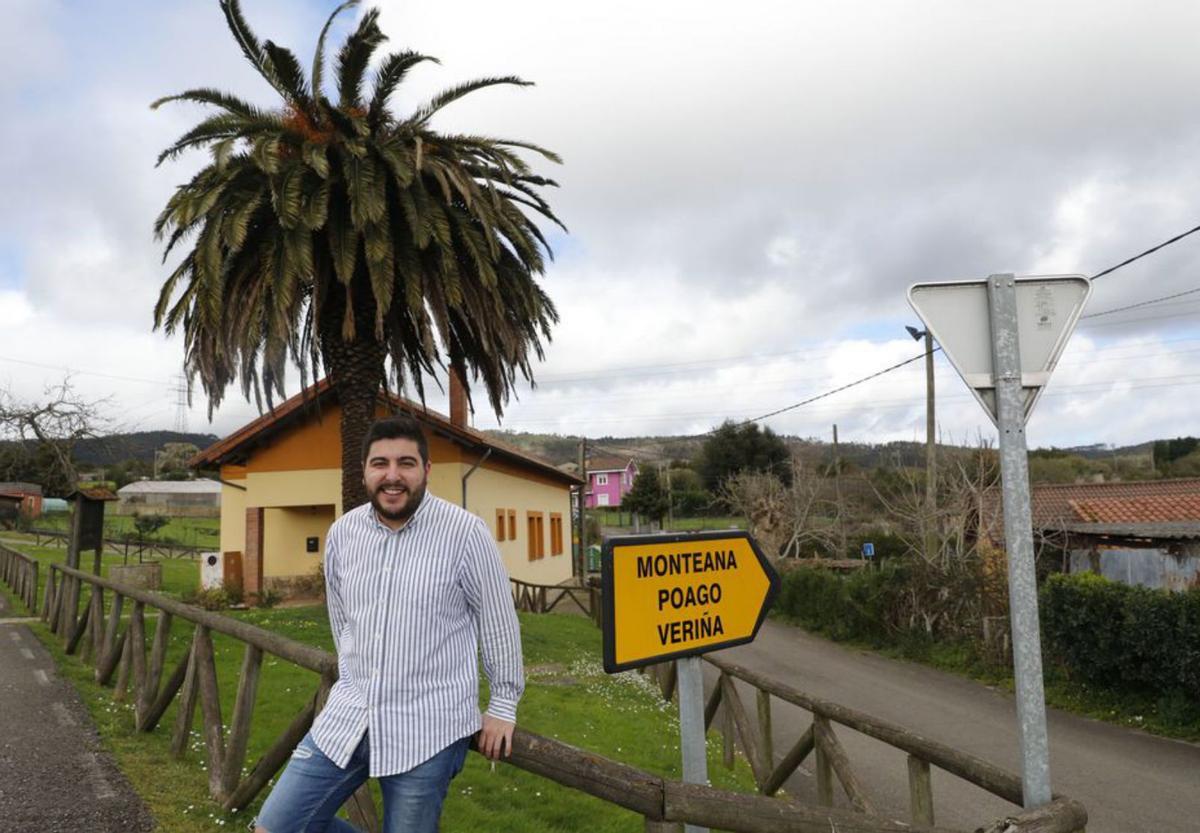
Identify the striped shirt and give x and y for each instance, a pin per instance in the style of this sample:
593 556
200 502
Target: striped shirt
410 611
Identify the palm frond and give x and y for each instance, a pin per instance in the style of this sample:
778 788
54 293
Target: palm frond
318 66
217 98
289 75
247 40
391 73
442 99
354 56
221 126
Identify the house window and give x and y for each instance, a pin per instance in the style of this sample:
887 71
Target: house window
556 533
602 499
537 543
500 525
602 480
512 524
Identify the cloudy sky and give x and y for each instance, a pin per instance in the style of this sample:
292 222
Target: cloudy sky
750 190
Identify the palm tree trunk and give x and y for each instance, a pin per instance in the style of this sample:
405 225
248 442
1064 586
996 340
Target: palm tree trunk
356 372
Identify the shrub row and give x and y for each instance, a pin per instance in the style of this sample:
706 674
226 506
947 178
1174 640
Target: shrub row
860 605
1123 637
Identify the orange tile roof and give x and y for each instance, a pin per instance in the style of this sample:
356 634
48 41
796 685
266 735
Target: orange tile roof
1134 510
282 415
1056 504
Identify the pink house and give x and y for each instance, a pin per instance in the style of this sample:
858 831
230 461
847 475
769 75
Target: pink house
609 479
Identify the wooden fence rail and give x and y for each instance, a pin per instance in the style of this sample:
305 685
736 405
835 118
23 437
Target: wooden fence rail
832 764
121 546
142 678
20 573
543 598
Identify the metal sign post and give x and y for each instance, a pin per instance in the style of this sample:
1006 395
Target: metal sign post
1018 538
691 726
1029 321
674 597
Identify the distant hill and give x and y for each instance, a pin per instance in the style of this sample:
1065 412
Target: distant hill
1134 459
115 448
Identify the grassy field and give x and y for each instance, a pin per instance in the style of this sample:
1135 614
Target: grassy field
191 532
568 697
179 574
616 518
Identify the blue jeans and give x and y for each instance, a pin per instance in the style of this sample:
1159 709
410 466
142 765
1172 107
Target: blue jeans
312 788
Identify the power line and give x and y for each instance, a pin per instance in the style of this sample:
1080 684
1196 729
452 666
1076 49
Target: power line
847 386
1141 304
66 369
1149 251
1128 321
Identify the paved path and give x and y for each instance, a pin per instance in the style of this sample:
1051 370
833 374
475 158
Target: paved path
1129 781
53 774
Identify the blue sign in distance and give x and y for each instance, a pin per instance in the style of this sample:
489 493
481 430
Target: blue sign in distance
868 549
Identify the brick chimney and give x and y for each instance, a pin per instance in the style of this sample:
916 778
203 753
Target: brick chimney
458 398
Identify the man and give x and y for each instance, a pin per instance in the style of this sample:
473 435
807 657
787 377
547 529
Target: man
416 589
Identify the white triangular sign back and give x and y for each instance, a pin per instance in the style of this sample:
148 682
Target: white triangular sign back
956 314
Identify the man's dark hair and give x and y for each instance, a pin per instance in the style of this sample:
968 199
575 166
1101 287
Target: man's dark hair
397 427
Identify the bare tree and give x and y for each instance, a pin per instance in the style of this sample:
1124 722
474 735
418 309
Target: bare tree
953 582
40 436
787 521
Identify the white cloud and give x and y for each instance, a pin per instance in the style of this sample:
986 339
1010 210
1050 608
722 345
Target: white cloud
760 182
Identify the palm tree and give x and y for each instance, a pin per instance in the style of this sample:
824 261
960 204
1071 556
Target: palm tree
342 235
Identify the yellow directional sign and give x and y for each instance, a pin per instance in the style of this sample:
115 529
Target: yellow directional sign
668 596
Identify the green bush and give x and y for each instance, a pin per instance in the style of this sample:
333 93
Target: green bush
234 593
1124 638
214 598
860 605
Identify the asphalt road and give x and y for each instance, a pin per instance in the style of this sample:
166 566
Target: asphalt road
54 776
1130 782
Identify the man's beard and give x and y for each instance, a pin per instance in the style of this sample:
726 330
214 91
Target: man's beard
415 496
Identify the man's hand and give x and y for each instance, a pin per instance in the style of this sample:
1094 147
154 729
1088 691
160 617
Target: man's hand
495 738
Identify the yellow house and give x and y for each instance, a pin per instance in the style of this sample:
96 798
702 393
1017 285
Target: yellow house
281 481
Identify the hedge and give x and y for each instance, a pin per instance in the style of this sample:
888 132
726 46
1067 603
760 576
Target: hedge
860 605
1123 637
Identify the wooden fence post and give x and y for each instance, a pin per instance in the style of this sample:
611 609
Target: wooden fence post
210 708
239 725
766 742
920 791
823 766
187 703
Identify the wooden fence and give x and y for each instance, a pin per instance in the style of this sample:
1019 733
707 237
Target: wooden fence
831 763
120 546
20 573
543 598
114 647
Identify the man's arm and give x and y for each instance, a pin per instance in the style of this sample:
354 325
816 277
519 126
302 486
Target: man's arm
485 583
333 597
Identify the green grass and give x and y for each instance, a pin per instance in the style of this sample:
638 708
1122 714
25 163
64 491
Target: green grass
568 697
615 518
191 532
179 575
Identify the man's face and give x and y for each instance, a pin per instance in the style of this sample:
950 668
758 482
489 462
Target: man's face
395 477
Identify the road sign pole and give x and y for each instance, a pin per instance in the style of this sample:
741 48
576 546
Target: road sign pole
1018 536
691 726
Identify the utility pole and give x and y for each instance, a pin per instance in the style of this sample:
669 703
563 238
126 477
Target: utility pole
670 501
930 442
582 507
837 489
930 430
